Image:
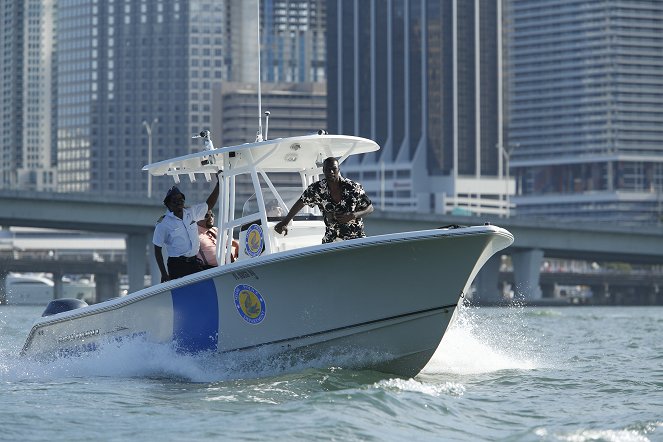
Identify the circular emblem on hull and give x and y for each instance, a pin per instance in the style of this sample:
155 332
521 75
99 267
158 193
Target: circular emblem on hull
255 241
249 304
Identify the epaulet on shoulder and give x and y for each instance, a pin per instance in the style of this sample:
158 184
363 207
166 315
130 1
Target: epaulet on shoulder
160 219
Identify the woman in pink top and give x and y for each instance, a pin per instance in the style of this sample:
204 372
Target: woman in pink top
208 235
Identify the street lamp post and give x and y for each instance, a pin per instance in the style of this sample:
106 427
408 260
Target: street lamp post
506 153
148 128
507 158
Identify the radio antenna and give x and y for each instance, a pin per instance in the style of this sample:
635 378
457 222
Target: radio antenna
259 135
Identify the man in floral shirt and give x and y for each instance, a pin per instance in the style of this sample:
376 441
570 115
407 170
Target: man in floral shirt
342 202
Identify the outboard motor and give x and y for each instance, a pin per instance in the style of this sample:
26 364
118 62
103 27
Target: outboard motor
63 305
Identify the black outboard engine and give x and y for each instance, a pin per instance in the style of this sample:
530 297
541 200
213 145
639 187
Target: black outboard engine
63 305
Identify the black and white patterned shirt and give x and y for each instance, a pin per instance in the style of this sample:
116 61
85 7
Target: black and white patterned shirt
353 198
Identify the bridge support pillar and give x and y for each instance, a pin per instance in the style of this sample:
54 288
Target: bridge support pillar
108 286
3 286
58 290
136 261
654 295
527 273
605 292
547 290
486 282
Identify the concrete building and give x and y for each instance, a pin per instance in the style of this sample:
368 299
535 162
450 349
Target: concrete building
293 41
295 109
136 80
26 55
422 78
586 109
126 66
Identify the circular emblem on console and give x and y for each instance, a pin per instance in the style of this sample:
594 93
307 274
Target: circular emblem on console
254 241
249 304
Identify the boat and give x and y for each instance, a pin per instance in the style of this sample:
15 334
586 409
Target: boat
39 289
83 287
28 289
381 302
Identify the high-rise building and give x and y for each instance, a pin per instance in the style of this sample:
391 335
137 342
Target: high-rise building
422 78
26 55
293 41
133 75
585 107
295 109
126 66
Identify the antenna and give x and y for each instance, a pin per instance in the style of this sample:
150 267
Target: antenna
259 135
266 123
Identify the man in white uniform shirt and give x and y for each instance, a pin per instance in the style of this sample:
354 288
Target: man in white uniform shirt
177 231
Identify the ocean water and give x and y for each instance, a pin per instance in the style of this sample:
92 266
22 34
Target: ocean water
509 374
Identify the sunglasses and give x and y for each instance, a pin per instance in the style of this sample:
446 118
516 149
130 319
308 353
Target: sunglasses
209 215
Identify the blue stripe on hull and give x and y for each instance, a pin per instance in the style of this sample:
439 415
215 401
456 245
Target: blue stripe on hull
196 317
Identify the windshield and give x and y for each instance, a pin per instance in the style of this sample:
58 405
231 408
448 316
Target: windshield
275 211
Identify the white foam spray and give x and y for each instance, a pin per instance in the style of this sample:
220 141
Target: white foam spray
482 343
139 358
475 343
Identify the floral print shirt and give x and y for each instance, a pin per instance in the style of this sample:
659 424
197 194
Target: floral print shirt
353 198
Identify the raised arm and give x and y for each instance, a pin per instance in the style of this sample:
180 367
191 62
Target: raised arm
214 196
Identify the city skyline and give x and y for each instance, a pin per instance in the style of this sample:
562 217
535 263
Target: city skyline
133 81
554 106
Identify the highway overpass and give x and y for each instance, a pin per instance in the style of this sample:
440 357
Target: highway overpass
535 239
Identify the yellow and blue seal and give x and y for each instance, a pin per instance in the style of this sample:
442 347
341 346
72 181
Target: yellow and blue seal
255 241
249 304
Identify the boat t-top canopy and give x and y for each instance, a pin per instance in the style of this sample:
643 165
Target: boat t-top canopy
293 154
248 224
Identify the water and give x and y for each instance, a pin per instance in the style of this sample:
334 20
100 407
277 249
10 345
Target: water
513 374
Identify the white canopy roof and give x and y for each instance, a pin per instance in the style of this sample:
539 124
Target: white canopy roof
291 154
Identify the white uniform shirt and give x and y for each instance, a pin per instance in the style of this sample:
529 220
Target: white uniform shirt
180 236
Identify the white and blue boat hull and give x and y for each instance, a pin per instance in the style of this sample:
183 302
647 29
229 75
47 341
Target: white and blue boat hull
381 303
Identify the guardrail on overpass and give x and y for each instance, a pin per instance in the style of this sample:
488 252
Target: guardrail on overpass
134 217
534 238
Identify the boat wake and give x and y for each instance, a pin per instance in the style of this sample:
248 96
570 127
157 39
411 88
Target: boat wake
136 358
479 341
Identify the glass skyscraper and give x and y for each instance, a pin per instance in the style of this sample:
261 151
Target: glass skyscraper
422 78
27 148
293 41
585 121
124 62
